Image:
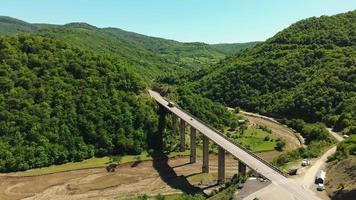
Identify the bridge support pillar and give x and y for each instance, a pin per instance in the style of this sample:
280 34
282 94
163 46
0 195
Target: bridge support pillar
242 169
221 166
182 135
193 153
205 167
174 123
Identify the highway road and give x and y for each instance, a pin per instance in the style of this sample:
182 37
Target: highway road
289 187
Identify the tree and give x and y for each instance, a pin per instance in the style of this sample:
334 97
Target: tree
280 144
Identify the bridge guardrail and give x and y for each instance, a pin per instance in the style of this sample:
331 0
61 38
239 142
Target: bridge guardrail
230 140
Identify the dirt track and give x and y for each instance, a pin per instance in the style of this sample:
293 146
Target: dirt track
277 129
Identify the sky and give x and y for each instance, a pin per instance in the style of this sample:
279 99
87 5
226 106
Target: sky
209 21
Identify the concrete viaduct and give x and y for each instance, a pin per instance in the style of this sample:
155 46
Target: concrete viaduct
245 157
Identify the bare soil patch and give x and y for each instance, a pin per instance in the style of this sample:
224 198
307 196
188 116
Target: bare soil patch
127 180
341 179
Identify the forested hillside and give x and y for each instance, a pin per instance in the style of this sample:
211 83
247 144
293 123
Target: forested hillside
306 71
59 103
233 48
151 56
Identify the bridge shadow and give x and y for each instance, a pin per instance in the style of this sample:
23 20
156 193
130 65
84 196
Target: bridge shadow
344 195
169 176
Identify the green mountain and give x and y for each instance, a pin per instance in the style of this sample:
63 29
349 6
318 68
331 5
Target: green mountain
10 25
306 71
233 48
59 104
149 56
74 91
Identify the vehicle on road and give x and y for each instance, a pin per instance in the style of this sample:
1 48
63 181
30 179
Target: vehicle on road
171 104
262 179
305 163
320 177
293 171
320 187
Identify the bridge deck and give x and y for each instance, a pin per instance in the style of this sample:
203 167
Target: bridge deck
252 161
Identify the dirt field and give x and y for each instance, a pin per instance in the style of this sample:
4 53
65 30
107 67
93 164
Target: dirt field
148 177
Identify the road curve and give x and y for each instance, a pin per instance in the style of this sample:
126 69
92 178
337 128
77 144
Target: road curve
253 162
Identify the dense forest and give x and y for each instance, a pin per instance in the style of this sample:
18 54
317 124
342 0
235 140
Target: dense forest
306 71
60 104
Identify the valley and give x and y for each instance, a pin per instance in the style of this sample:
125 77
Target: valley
98 112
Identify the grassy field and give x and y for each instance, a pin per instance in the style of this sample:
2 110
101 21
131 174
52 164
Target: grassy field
203 178
95 162
254 139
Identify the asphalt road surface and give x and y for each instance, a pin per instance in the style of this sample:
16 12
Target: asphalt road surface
289 187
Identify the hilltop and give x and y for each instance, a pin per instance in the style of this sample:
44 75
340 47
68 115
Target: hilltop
306 71
233 48
151 56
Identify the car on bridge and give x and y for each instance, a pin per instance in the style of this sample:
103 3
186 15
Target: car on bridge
171 104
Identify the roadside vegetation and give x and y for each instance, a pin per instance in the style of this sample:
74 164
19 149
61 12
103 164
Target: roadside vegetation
317 140
227 192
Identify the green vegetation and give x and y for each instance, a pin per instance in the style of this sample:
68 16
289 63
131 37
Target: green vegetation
317 138
71 103
313 150
254 139
75 91
345 149
310 132
205 109
306 71
60 104
151 57
233 48
228 191
95 162
10 25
